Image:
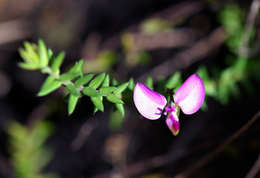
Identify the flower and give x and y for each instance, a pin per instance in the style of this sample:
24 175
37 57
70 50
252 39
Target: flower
189 98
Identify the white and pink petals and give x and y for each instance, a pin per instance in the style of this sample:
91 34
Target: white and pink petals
149 103
190 95
173 123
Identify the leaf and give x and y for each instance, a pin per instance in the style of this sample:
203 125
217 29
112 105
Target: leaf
114 82
121 109
77 68
114 99
98 102
97 81
131 84
149 82
68 76
73 90
29 66
83 80
106 81
106 90
174 80
90 92
49 85
43 54
72 103
56 62
121 88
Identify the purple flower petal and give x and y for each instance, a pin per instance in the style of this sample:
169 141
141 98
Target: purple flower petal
190 95
148 102
173 123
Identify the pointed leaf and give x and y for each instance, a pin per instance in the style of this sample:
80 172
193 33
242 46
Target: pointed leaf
73 90
72 103
106 81
106 90
77 68
57 61
43 54
49 85
90 92
83 80
174 80
149 82
98 102
68 76
121 88
120 108
30 50
29 66
114 99
114 82
96 82
131 84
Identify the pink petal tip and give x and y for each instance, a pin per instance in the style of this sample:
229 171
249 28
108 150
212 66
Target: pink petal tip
190 95
148 102
173 123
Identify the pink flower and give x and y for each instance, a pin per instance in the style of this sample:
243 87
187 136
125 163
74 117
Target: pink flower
189 98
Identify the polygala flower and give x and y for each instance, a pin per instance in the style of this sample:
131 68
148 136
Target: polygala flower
189 98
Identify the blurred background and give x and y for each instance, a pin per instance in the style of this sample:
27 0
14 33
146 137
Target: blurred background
149 41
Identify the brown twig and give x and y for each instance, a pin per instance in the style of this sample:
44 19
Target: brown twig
203 161
255 169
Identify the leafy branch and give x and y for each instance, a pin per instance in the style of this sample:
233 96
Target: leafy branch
77 84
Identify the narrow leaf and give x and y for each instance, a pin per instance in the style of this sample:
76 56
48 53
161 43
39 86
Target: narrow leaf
77 68
106 81
73 90
29 66
174 80
149 82
31 53
68 76
56 63
121 109
98 102
83 80
49 85
106 90
121 88
96 82
114 99
90 92
131 84
72 103
43 54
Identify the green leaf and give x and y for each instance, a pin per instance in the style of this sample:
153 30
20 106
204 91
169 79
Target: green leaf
72 103
50 53
77 68
73 90
83 80
68 76
114 99
96 82
174 80
121 109
44 60
49 85
98 102
114 82
149 82
90 92
106 90
29 66
106 81
121 88
131 84
56 62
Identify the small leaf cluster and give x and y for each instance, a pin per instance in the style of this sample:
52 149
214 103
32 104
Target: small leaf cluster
77 84
29 155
